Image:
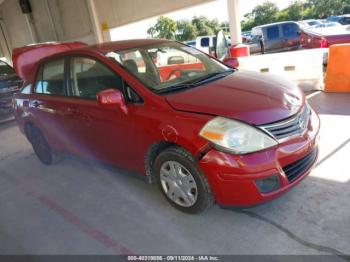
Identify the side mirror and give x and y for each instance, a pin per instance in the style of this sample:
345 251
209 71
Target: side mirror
231 62
111 98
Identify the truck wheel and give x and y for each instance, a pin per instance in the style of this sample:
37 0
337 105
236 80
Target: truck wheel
181 182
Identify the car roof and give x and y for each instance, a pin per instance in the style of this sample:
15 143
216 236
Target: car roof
121 45
277 23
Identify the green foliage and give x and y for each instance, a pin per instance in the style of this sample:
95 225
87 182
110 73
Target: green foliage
164 28
202 24
295 11
265 13
325 8
184 30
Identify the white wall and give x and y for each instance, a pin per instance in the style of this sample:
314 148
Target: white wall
53 20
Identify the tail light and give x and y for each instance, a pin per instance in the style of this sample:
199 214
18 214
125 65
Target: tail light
324 43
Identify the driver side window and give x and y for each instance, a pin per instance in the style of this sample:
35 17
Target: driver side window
89 77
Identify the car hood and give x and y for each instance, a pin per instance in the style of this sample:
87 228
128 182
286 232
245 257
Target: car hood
251 97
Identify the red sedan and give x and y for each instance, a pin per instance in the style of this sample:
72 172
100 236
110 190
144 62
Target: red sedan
202 131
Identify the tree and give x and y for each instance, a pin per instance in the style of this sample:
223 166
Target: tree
262 14
201 24
265 13
186 31
295 11
214 25
164 28
325 8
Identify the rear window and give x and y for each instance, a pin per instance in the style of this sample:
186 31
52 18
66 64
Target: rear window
272 32
205 42
290 30
50 80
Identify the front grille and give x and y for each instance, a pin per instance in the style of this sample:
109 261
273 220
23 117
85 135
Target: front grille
298 168
295 125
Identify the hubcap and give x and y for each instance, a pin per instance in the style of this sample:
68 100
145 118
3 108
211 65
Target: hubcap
178 184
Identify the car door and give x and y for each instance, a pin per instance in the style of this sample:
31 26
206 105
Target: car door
47 102
97 132
272 39
291 36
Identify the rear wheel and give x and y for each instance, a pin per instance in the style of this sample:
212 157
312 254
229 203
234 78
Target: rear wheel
41 147
181 182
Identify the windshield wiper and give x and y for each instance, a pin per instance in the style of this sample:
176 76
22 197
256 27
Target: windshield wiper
175 88
196 82
212 76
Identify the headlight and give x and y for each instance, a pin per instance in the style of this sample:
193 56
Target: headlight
235 136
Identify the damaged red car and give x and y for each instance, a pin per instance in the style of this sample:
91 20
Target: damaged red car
204 132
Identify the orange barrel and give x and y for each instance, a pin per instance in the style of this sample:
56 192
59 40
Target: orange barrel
338 70
239 50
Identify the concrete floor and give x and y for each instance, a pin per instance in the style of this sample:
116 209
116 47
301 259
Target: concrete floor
76 207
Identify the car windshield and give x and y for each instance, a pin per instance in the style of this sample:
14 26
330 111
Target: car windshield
169 67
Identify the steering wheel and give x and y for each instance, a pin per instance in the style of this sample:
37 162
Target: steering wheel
174 71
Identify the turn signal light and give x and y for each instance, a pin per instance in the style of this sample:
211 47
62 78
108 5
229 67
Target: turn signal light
324 43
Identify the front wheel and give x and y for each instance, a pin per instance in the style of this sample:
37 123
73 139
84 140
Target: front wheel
181 182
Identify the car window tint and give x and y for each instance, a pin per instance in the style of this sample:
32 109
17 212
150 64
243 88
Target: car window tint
89 77
290 30
205 42
50 80
272 32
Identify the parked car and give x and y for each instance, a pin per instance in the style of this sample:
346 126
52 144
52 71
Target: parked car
247 37
277 37
309 23
204 132
325 37
342 19
207 43
326 24
9 84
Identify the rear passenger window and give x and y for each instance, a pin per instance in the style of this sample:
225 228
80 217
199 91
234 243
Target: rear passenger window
290 30
89 77
273 33
50 80
205 42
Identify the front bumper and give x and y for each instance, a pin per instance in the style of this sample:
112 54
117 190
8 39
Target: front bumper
233 177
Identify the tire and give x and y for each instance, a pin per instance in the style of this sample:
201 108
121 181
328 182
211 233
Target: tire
262 47
42 148
188 190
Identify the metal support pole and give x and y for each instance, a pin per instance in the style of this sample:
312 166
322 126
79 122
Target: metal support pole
233 8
